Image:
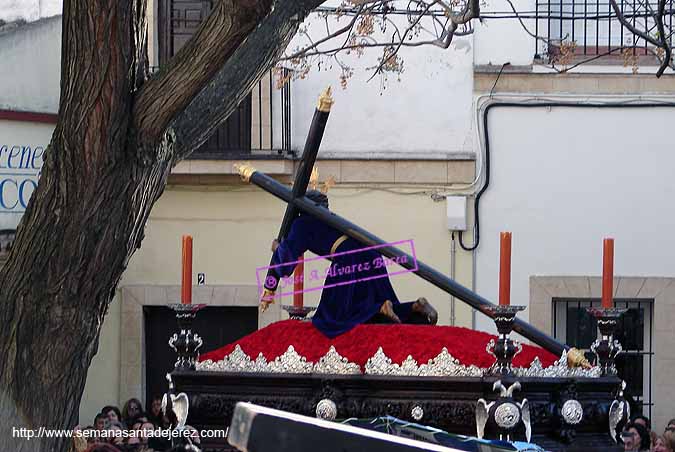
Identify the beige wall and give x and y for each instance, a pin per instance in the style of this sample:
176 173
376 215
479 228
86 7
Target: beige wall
102 387
525 81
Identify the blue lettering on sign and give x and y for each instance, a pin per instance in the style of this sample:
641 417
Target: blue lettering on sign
37 153
21 157
15 152
15 192
5 194
22 165
24 194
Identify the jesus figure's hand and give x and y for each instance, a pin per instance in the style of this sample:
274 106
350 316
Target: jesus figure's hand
266 300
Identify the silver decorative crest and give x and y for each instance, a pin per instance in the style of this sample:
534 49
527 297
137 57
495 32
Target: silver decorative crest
417 413
326 410
507 415
572 412
559 369
443 365
381 364
237 361
291 363
334 363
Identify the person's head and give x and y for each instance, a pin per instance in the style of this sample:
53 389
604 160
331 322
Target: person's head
156 407
132 409
138 422
319 198
669 440
642 420
112 412
145 428
635 437
671 424
100 421
116 438
661 445
91 433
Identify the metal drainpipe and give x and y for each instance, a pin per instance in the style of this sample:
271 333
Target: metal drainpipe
453 253
473 286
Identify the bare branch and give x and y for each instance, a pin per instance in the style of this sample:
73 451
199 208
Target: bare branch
346 29
387 57
630 26
429 23
662 34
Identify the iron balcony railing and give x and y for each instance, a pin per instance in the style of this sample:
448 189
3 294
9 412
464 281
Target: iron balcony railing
578 29
260 127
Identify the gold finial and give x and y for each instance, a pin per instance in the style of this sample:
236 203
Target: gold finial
314 178
576 358
328 183
325 101
245 170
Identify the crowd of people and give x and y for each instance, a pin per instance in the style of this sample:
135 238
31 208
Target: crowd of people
637 436
129 430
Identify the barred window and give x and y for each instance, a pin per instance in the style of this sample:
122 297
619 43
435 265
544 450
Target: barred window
573 325
577 29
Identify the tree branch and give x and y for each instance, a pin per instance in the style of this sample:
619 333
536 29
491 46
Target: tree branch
631 27
662 35
661 42
442 32
193 67
231 83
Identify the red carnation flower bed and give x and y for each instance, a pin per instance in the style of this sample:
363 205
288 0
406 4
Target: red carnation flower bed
398 341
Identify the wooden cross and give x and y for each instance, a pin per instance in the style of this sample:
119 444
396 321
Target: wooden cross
302 179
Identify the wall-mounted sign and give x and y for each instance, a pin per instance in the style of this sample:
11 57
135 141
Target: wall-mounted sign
22 147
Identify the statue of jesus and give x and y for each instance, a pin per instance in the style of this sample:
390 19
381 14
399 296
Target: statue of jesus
366 295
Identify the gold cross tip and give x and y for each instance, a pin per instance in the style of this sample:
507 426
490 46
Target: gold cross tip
327 184
325 101
314 178
576 358
245 170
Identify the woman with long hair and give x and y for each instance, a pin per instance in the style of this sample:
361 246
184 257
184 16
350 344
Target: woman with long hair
131 411
665 442
155 414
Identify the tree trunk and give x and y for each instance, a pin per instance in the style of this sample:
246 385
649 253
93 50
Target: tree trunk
82 225
106 165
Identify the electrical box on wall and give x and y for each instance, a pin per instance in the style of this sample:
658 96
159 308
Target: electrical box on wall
456 212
